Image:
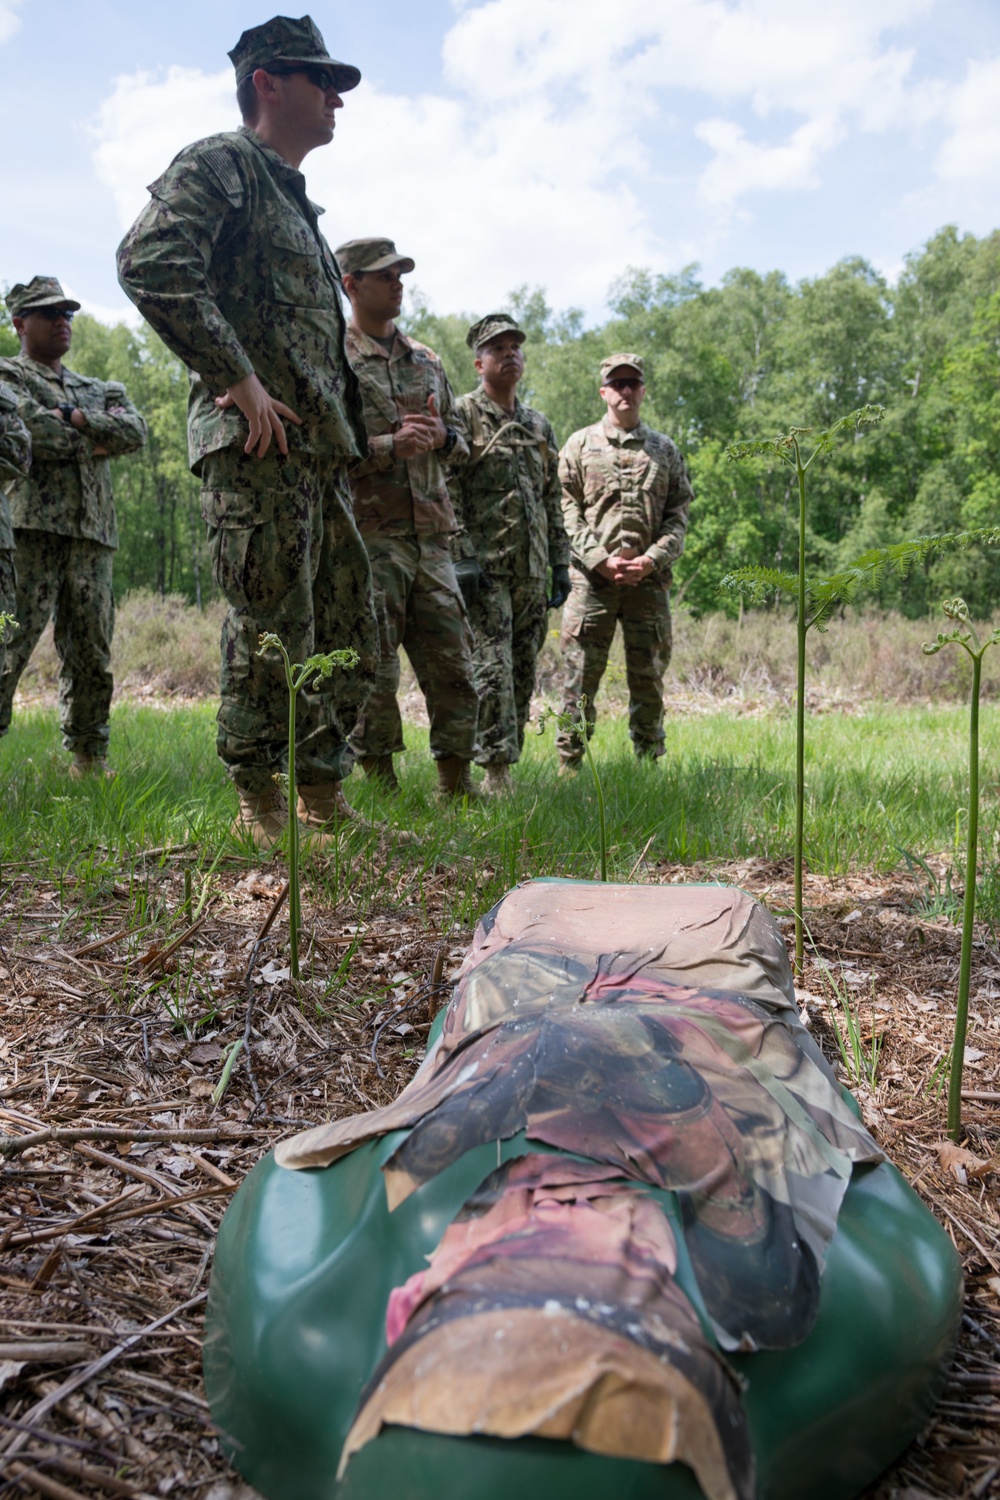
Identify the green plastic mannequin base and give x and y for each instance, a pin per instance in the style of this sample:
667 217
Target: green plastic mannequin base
303 1270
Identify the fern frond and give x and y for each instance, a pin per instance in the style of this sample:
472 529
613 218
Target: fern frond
776 447
759 584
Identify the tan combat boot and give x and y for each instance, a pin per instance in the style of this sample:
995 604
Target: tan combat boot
324 812
86 766
499 782
262 815
455 780
379 768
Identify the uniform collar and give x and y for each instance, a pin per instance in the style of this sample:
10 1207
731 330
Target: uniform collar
489 405
363 343
45 371
279 165
619 437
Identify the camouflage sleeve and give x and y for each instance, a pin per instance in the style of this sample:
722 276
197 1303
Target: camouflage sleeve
669 542
51 437
119 427
15 443
450 416
552 500
461 546
380 457
584 545
164 264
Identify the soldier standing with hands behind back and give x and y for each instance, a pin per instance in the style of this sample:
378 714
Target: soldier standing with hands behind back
65 529
507 501
626 496
228 265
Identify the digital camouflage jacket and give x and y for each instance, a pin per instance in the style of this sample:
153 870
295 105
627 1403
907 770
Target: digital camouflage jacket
227 263
405 496
15 457
507 498
68 490
624 489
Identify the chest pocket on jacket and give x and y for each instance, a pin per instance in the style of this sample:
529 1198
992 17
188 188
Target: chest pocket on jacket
297 273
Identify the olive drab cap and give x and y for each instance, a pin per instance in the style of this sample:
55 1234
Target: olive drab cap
283 40
372 254
621 362
41 291
491 327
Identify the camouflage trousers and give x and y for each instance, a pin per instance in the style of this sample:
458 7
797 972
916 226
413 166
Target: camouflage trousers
8 600
588 627
287 555
420 608
508 624
69 580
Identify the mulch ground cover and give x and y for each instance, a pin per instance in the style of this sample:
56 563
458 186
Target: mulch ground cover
114 1041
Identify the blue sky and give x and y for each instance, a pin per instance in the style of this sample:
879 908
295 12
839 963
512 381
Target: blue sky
547 142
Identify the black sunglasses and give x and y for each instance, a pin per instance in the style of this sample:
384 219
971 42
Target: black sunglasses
320 78
629 384
53 314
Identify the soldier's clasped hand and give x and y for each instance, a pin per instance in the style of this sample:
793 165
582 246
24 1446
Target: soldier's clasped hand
262 412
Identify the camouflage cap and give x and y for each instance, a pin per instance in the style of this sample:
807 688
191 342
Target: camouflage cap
41 291
371 254
283 40
491 327
622 362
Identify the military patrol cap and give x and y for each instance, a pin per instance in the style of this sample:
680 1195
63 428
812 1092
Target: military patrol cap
285 41
41 291
372 254
491 327
621 362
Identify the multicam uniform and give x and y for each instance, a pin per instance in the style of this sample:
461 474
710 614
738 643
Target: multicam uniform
65 537
621 490
405 517
507 502
15 460
228 265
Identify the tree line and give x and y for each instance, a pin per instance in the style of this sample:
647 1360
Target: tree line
739 361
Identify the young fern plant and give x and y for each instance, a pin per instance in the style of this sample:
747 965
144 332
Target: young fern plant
965 636
297 676
759 583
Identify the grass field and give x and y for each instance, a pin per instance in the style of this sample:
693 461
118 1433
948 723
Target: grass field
885 788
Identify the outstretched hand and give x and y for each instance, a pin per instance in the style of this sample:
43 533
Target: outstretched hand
262 412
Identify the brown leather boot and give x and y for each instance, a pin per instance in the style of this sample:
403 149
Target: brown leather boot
455 780
499 782
262 815
86 766
380 769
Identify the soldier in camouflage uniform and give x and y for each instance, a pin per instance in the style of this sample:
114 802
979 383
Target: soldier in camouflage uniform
405 516
15 461
65 530
507 502
228 265
626 497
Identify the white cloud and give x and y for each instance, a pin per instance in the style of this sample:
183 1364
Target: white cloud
535 166
10 18
147 119
970 153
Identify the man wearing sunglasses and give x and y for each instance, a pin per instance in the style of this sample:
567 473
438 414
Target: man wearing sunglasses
63 511
228 264
625 496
